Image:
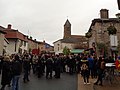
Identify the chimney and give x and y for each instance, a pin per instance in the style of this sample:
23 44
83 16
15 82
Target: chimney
31 37
27 37
9 26
104 14
43 41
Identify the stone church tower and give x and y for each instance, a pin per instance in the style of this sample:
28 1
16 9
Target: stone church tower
67 29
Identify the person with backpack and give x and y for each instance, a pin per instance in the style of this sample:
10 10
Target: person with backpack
85 71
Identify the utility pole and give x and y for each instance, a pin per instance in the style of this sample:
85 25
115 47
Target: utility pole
118 1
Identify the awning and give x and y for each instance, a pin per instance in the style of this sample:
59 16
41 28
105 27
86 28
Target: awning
77 51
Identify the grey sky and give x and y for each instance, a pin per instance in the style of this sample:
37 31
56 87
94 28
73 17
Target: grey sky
44 19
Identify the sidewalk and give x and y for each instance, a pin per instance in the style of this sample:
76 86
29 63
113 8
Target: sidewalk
91 86
82 86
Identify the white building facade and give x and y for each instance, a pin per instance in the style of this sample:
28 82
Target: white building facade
1 42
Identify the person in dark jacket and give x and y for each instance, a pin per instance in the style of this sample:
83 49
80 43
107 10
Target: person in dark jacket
39 68
72 63
16 71
79 63
49 67
26 67
6 72
100 68
95 67
57 64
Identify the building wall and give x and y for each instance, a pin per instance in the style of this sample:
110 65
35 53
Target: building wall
15 45
41 47
68 45
1 43
23 45
11 47
6 43
117 25
58 46
32 44
100 34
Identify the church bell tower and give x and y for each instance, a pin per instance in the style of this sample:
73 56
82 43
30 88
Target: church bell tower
67 29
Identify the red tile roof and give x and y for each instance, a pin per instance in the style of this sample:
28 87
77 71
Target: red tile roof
1 31
11 33
2 28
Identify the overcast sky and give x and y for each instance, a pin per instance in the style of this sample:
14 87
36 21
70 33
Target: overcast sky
44 19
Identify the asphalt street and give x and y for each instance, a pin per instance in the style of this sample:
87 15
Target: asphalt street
66 82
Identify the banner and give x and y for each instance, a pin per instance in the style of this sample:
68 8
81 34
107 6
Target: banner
117 63
36 51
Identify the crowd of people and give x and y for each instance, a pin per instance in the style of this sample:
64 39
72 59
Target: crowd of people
12 66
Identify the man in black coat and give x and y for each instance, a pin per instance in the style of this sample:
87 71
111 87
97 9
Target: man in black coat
49 67
57 66
16 71
26 67
6 72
